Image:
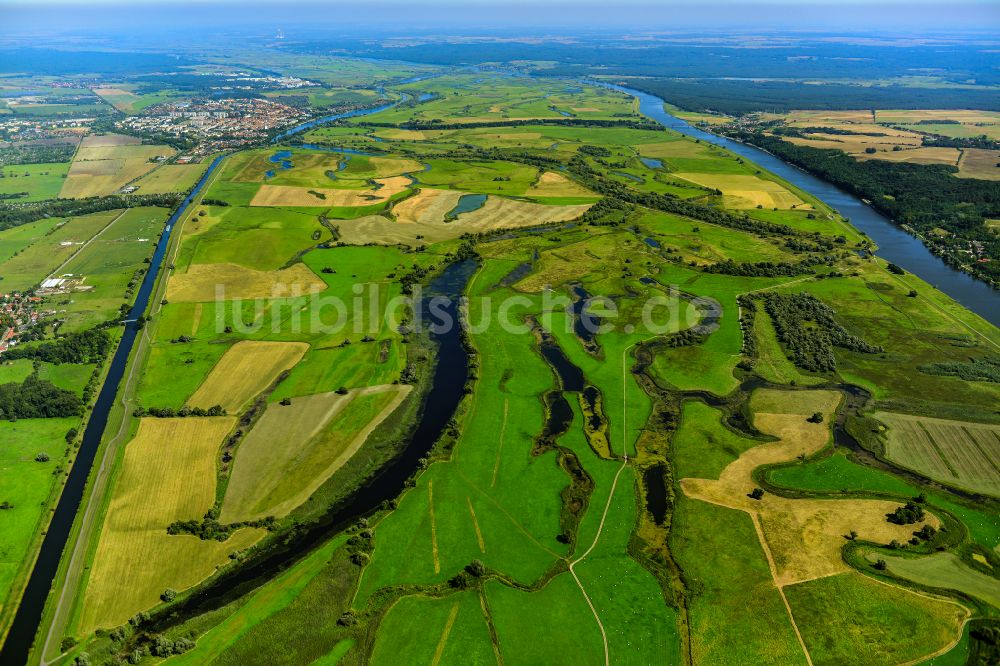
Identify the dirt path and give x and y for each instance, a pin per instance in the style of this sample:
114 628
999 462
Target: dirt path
607 507
85 245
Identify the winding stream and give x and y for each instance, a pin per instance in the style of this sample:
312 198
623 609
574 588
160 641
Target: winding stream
894 244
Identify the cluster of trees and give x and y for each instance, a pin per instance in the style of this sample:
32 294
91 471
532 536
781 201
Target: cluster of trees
90 346
183 412
907 514
981 141
36 398
757 269
13 215
210 529
976 370
36 154
684 338
807 328
594 151
922 196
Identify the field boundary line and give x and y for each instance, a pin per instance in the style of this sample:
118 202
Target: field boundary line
509 517
503 432
434 543
84 246
780 588
961 626
488 616
988 457
475 525
443 641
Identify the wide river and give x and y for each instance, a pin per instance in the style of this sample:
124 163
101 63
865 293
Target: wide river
894 244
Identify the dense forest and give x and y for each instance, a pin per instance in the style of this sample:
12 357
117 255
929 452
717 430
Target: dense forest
13 215
922 196
36 398
737 98
88 346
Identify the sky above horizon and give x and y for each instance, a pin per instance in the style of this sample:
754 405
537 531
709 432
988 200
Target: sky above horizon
539 15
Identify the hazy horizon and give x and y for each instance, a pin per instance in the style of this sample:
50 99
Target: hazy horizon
397 17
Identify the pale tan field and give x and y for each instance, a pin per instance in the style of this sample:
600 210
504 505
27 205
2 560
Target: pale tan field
816 117
168 474
915 155
803 537
961 453
206 282
246 369
294 449
287 195
428 206
979 163
746 191
120 99
551 184
678 148
401 134
496 213
99 140
969 117
104 164
393 166
171 178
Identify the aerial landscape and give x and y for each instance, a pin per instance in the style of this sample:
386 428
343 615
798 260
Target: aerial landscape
499 333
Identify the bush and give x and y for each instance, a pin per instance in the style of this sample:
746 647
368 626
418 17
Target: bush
42 457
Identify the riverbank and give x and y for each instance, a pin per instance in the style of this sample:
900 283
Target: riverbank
894 243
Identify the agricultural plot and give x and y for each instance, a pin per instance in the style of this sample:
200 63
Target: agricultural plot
317 434
170 178
452 630
246 369
803 537
962 454
41 249
851 619
746 191
105 163
32 182
27 486
979 163
496 213
167 475
947 571
210 282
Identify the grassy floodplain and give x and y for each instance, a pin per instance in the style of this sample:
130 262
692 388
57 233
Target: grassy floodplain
532 530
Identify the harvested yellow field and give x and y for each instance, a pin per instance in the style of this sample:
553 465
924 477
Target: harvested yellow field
857 144
207 282
104 164
401 134
915 155
428 205
496 213
293 449
246 369
120 99
668 149
746 191
171 178
814 117
500 213
551 184
803 537
100 140
979 163
916 115
288 195
393 166
960 453
168 474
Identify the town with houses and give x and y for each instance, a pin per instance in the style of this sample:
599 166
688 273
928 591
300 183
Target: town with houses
19 313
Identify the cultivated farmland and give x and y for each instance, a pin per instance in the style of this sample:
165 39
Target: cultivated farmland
961 453
246 369
167 475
